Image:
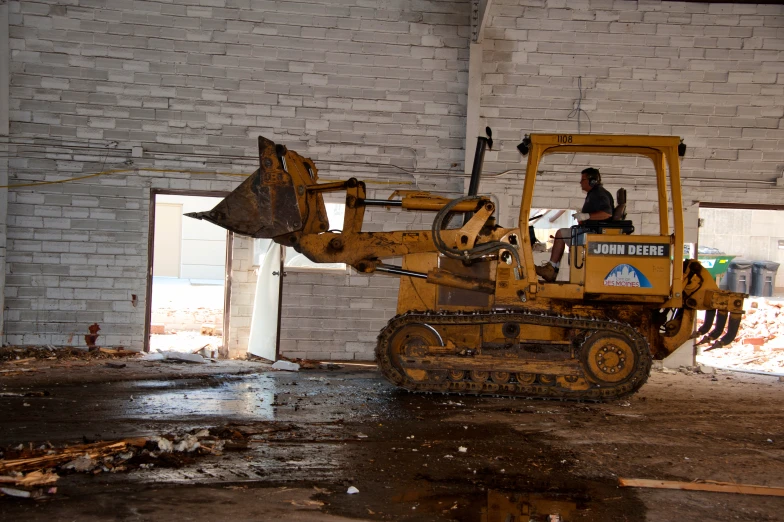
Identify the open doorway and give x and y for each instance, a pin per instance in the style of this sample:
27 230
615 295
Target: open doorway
742 247
187 278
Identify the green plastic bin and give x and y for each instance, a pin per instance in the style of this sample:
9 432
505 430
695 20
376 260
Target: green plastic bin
715 264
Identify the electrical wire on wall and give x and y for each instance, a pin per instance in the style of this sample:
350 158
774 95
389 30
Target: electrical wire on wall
577 111
196 163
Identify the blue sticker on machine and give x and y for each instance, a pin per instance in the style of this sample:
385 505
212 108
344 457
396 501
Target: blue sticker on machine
627 275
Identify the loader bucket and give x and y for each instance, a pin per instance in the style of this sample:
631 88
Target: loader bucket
272 201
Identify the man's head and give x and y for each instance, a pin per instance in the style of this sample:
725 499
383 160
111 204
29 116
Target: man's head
589 178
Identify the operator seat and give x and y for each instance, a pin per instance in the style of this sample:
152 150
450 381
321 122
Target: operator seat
619 212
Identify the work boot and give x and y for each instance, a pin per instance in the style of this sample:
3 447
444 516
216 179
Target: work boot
547 272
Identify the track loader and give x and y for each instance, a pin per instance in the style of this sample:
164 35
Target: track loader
472 315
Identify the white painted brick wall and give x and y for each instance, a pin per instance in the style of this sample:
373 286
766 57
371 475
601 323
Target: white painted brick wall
710 73
194 84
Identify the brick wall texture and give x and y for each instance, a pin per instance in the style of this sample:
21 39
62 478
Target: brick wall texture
172 94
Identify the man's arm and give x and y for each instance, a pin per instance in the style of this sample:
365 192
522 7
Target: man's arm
599 215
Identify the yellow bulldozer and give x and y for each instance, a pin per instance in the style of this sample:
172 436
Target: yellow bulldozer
472 316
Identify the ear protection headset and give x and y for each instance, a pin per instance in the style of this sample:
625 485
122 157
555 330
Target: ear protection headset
593 176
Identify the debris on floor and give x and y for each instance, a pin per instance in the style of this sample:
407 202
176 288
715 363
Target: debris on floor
304 364
188 342
703 485
28 467
34 478
118 352
24 493
764 320
26 458
286 365
175 356
20 355
760 340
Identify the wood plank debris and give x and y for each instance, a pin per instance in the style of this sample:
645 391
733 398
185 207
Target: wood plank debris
34 478
707 485
119 351
21 361
95 451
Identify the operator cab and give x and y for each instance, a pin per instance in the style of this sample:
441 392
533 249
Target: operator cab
607 262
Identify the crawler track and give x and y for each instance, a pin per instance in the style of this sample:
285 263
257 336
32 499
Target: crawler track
428 368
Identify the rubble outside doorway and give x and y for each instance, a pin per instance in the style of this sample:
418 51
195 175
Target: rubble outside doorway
187 316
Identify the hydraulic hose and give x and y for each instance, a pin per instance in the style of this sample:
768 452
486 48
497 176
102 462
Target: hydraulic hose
470 254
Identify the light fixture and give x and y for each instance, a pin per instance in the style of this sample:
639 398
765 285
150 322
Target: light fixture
524 145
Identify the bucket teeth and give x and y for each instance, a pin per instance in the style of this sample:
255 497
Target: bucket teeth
732 331
710 315
721 321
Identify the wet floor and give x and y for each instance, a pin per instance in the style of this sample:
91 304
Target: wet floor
317 433
329 430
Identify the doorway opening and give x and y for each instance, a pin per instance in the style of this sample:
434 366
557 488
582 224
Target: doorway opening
188 276
742 247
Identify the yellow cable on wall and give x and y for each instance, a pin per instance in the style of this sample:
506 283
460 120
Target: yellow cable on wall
180 171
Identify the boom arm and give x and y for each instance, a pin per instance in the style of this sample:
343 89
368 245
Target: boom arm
283 200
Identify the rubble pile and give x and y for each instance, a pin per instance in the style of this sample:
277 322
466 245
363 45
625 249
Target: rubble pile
762 323
29 470
187 319
759 344
47 352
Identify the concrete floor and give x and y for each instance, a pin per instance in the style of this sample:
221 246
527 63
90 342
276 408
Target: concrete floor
328 430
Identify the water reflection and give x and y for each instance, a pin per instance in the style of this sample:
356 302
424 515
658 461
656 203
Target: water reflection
235 399
526 507
497 505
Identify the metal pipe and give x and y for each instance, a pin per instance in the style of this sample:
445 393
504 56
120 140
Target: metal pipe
398 270
327 187
476 170
382 202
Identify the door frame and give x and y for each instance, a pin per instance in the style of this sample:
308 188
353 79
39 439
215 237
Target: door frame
281 275
740 206
150 254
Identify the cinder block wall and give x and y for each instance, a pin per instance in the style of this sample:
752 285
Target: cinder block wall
186 87
148 87
712 73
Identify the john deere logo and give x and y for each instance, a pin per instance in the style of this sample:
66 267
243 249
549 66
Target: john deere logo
628 276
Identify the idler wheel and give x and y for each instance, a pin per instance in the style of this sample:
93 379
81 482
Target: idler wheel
412 340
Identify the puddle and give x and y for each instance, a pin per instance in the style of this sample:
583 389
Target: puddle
588 501
150 406
500 506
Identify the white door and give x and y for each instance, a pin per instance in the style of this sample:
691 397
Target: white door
264 322
167 241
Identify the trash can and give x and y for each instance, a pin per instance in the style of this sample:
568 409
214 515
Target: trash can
739 275
763 278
